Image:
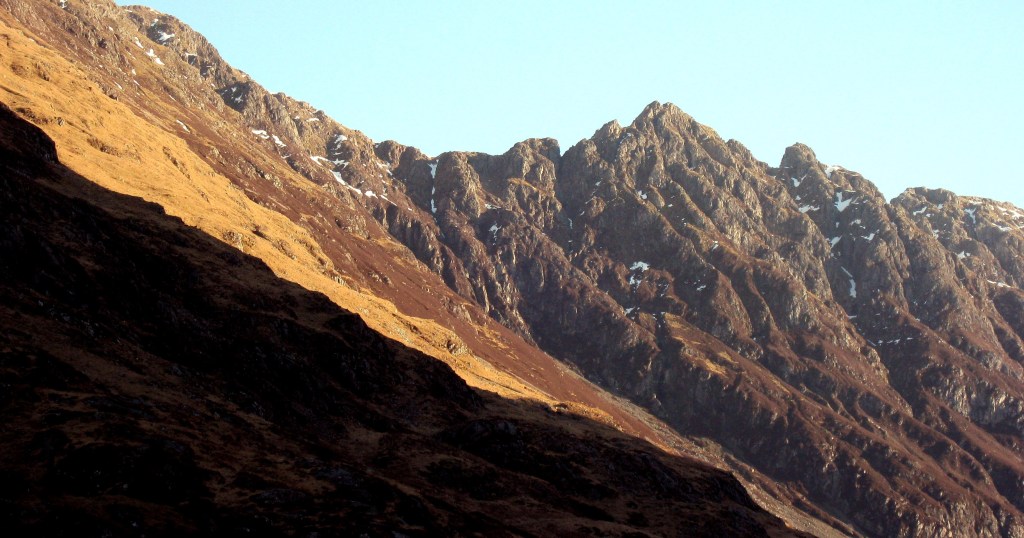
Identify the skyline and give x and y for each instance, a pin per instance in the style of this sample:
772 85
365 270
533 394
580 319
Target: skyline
918 94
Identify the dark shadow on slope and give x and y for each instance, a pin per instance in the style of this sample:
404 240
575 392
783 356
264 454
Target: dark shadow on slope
156 381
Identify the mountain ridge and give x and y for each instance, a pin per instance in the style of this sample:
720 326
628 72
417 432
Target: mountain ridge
768 310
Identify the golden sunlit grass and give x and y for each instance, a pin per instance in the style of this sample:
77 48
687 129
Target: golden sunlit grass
104 141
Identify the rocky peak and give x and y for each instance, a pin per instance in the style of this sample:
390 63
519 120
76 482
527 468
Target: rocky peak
860 360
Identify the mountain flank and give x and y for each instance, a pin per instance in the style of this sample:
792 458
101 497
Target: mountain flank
854 362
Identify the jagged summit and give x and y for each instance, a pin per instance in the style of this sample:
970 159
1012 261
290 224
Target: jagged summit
855 362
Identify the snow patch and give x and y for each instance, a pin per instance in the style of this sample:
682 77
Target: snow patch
962 254
183 126
370 194
337 177
337 140
853 284
163 38
494 228
919 211
642 266
433 170
830 168
870 236
842 204
806 208
641 194
320 160
156 58
138 44
261 133
797 182
277 141
835 240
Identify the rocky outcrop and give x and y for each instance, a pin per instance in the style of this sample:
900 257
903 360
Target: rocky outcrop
154 380
821 334
859 358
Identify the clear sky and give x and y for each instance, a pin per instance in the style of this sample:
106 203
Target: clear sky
923 93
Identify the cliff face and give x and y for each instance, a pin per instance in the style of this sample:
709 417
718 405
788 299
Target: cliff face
855 362
156 381
868 351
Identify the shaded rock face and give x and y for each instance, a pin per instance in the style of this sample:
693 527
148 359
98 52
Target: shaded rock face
868 351
155 381
863 356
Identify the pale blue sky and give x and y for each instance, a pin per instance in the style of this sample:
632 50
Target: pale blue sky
907 93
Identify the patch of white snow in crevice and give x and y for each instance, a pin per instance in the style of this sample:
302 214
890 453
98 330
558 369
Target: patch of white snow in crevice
183 126
853 283
642 266
163 38
338 178
156 59
919 211
962 254
335 143
278 141
320 160
806 208
972 212
138 43
641 194
261 133
870 236
797 182
835 240
830 168
842 204
433 170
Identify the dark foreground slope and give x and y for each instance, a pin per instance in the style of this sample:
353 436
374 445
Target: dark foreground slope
154 381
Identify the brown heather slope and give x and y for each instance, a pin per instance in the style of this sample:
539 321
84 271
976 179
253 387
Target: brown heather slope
294 226
157 382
